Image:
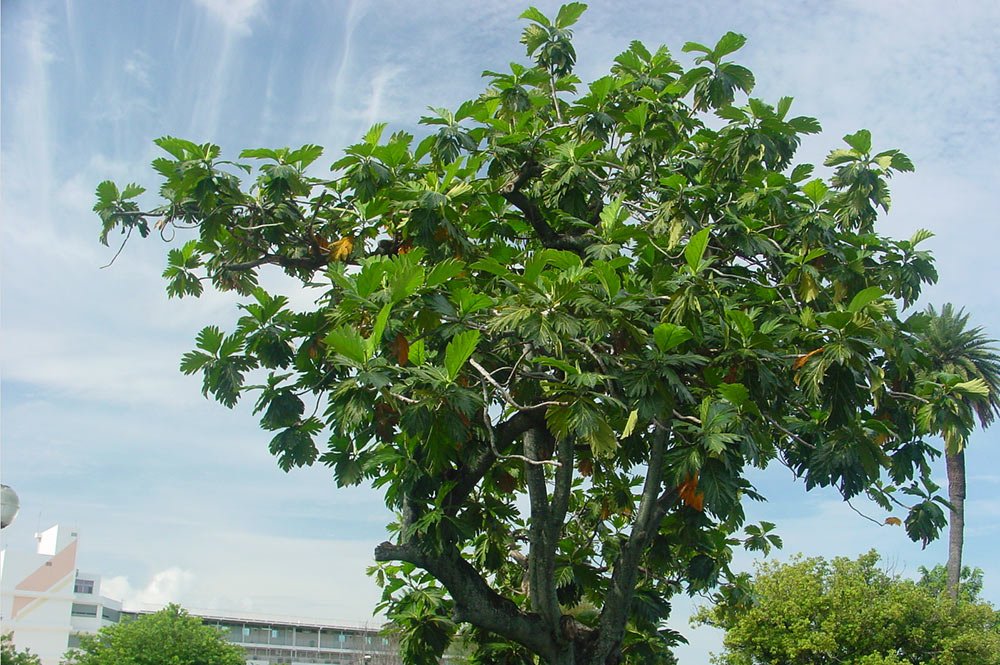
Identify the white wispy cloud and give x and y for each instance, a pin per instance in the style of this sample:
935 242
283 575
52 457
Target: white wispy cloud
236 15
27 115
355 12
137 66
380 83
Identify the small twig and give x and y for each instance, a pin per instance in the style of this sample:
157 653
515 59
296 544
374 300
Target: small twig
541 376
690 419
319 398
555 97
469 324
506 395
513 370
600 363
172 226
127 235
870 519
659 425
407 400
134 213
259 226
493 436
896 393
793 435
896 501
316 384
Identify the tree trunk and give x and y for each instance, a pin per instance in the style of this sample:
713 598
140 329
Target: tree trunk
956 534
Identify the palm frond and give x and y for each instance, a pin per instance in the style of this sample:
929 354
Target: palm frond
953 347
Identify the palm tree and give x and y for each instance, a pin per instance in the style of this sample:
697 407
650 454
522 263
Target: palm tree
965 352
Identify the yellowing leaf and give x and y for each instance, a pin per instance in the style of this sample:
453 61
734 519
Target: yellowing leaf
341 249
601 439
808 288
894 521
633 417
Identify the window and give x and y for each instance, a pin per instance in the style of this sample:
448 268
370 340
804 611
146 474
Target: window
83 586
246 631
74 641
81 610
343 638
306 637
111 615
274 632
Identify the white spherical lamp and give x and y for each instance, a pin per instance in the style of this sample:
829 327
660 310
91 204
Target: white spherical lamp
8 505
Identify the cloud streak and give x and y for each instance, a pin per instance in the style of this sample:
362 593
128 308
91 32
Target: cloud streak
236 16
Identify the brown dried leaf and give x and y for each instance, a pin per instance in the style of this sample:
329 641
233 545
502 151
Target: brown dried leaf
506 483
689 494
801 360
401 349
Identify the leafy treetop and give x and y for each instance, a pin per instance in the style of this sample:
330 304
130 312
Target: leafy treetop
852 613
168 637
935 580
578 294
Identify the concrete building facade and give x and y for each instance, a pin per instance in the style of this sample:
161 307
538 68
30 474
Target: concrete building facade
45 598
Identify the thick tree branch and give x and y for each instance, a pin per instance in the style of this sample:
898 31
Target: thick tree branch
475 601
561 493
469 474
300 263
549 237
533 214
569 628
410 513
652 509
541 553
651 485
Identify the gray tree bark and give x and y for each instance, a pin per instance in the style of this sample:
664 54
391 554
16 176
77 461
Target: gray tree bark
955 465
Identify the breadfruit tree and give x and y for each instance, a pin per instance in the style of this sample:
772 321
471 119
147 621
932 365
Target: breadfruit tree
557 331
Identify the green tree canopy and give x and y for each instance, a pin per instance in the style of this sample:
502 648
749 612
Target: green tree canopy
935 580
818 612
608 299
168 637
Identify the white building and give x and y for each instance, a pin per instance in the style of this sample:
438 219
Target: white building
45 599
47 603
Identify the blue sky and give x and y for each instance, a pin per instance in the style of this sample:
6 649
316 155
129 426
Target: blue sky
176 497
